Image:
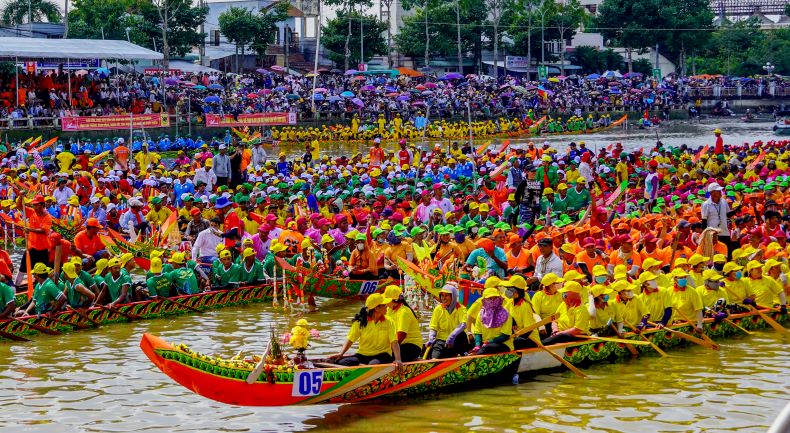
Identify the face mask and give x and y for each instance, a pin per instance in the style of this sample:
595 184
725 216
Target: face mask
738 275
510 293
600 279
460 237
652 284
605 298
712 284
718 266
474 230
681 282
627 294
360 247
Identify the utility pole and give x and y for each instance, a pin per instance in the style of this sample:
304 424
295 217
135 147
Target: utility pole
202 49
287 41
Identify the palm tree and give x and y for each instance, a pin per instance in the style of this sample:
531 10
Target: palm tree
18 12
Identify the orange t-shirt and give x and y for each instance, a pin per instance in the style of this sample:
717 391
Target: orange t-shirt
38 241
520 261
585 258
633 259
87 245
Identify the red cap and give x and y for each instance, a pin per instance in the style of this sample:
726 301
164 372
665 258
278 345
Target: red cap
93 222
194 211
38 199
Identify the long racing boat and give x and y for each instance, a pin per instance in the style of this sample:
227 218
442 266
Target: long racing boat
250 382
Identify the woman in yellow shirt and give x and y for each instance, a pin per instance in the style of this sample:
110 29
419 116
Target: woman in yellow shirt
522 312
448 322
574 320
602 316
628 308
407 328
378 342
686 302
546 301
494 324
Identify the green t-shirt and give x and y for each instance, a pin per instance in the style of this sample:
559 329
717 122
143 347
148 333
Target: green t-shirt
268 265
223 276
114 286
184 281
73 297
166 269
7 295
86 279
44 294
159 285
577 199
251 275
98 280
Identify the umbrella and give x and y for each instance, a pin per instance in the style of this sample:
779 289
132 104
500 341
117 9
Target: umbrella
215 86
264 91
171 81
368 88
554 80
403 98
278 68
263 71
187 84
213 99
252 96
420 87
633 75
593 77
320 90
454 76
427 93
335 71
310 75
359 78
561 77
392 94
431 85
200 87
280 89
504 86
347 94
323 70
507 94
334 98
520 89
358 102
292 96
318 97
612 74
391 89
418 103
351 72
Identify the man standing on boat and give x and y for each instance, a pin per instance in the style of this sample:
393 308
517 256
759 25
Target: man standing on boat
38 225
718 149
716 213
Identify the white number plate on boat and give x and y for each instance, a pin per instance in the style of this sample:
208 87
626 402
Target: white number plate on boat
307 383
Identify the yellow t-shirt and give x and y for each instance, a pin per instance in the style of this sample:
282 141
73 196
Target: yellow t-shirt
709 297
444 323
545 304
687 302
656 303
65 159
374 338
405 321
491 333
524 316
737 290
631 312
767 290
574 317
602 316
159 217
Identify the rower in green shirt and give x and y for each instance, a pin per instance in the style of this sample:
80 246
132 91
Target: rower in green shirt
276 249
118 283
228 272
46 295
158 284
7 301
77 294
183 278
251 268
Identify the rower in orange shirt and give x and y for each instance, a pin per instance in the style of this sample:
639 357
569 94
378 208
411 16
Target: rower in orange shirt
625 255
590 257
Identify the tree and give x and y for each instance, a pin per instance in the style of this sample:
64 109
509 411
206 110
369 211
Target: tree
246 28
348 8
591 59
560 22
18 12
630 24
685 14
90 19
342 48
496 8
411 40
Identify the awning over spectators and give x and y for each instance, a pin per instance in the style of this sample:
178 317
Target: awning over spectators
74 49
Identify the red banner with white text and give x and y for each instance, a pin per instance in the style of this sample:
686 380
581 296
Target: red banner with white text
251 119
106 123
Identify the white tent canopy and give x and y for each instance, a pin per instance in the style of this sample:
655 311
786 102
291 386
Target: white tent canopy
74 49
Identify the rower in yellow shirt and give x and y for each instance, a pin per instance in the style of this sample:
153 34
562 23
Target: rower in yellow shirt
546 301
737 290
711 289
574 320
767 291
522 312
686 301
601 322
629 309
407 328
657 300
493 324
158 213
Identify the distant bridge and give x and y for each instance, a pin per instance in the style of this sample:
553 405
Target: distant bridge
748 7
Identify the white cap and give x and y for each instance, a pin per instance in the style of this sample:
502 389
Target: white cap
714 187
94 199
222 146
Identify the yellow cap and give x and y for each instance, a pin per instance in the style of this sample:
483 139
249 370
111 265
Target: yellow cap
599 271
392 291
375 300
178 258
491 292
101 265
599 289
156 265
225 254
571 286
550 279
248 252
69 270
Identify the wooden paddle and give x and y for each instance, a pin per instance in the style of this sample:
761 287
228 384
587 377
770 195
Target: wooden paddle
773 323
12 337
256 372
562 360
628 346
653 345
769 320
702 333
535 325
614 340
130 317
685 336
83 315
38 328
183 305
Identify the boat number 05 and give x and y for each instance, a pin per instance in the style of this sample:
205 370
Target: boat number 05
307 383
369 287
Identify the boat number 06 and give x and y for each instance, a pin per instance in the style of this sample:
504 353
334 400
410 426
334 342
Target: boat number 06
307 383
369 287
